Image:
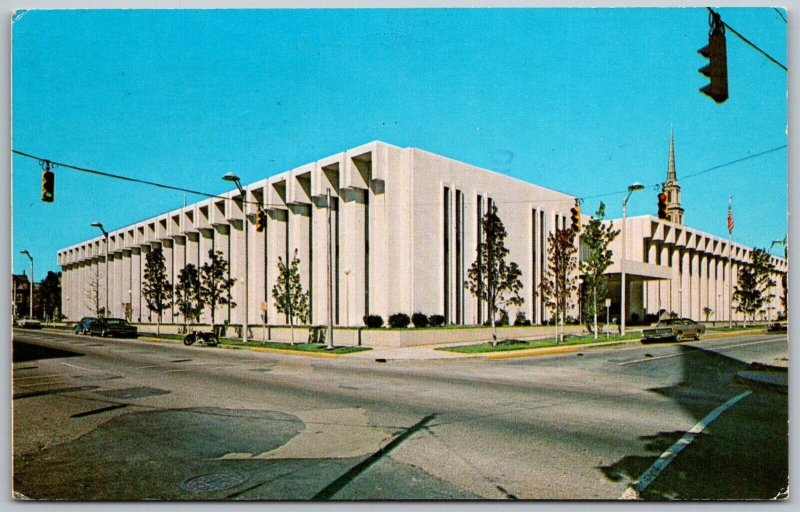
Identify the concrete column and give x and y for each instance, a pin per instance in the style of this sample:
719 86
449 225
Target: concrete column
221 244
167 248
178 264
686 285
206 244
276 248
136 284
300 239
675 282
144 312
319 277
258 289
237 261
125 278
352 286
702 278
380 274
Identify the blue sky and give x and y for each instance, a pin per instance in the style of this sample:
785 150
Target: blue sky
578 100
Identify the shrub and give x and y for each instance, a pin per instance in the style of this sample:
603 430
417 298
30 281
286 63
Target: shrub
400 320
503 319
420 319
521 319
373 321
436 320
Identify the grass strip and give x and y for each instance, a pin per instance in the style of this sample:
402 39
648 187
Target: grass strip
507 345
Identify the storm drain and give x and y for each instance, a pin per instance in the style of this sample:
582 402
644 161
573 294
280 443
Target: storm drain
133 392
214 482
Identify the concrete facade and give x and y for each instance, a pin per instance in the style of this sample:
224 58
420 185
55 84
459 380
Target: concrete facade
404 231
679 269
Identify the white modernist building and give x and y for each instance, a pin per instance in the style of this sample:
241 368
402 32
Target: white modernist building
404 231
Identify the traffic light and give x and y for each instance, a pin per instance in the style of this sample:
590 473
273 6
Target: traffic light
662 205
261 220
717 68
48 184
575 216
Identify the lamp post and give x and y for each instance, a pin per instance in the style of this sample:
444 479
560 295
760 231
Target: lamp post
235 179
30 288
347 297
631 189
99 226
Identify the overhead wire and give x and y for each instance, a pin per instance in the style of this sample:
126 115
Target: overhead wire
765 54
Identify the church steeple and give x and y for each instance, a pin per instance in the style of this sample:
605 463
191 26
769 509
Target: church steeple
671 187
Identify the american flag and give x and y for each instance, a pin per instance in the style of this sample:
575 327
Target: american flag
730 215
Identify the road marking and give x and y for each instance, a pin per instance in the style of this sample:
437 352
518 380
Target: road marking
153 366
34 384
81 368
710 348
633 491
37 376
180 370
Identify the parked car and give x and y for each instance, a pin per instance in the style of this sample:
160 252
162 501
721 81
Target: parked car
29 323
113 327
84 325
777 327
673 329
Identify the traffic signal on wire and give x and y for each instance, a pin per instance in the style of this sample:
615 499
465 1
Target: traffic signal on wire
261 220
575 216
716 53
662 205
48 184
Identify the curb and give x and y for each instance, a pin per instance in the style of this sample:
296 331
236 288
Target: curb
254 349
771 380
532 352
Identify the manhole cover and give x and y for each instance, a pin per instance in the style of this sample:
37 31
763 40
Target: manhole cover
214 482
133 392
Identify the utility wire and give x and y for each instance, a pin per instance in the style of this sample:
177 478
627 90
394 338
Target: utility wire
780 14
765 54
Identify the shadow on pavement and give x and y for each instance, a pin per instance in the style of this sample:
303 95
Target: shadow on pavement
30 352
743 454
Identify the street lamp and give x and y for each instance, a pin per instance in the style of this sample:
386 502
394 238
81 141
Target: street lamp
99 226
235 179
631 189
30 294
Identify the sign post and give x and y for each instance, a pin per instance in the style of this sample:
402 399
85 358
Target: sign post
263 307
608 307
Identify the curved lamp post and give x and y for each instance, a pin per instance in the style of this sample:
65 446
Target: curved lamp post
235 179
631 189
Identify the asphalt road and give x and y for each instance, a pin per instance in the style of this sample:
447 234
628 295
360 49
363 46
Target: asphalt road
108 419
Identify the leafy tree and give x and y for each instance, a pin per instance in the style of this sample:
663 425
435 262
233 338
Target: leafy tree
754 283
189 294
290 299
596 237
49 295
707 311
216 283
490 278
560 285
156 288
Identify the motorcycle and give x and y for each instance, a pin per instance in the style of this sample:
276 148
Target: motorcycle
208 338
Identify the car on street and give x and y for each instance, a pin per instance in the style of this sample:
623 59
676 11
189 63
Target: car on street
673 329
117 327
777 327
84 325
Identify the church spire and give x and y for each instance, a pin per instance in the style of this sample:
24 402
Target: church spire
671 176
671 188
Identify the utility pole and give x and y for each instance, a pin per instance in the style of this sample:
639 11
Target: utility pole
30 288
329 338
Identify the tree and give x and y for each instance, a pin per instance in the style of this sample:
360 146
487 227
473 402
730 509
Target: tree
490 278
754 283
189 294
596 237
707 311
49 295
93 293
216 283
290 299
560 285
156 288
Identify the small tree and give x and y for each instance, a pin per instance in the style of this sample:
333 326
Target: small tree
290 299
560 285
707 311
156 288
490 278
216 283
93 293
754 283
50 295
189 294
596 237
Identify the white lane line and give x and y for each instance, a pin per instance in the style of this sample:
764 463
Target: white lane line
153 366
180 370
710 348
81 368
37 377
641 483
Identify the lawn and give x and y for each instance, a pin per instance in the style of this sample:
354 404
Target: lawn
506 345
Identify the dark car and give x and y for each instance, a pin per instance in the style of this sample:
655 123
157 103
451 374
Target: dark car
84 325
673 329
777 327
113 327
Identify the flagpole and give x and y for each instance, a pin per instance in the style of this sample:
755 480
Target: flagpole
730 264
